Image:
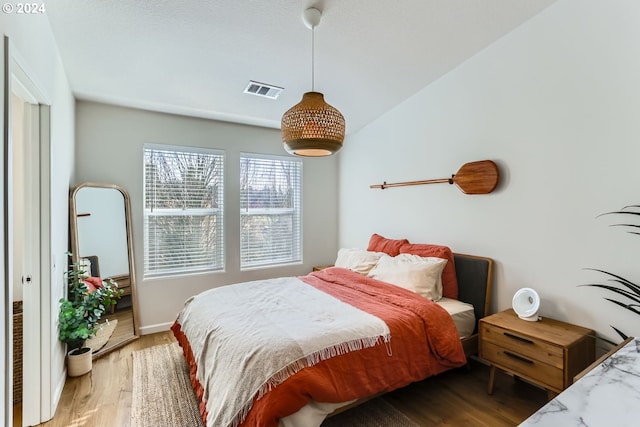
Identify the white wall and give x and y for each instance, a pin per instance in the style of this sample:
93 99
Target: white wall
109 149
556 103
37 52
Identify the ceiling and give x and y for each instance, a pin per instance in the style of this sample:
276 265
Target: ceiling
196 57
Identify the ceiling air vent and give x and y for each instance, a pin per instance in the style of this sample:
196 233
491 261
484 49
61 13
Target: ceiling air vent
262 89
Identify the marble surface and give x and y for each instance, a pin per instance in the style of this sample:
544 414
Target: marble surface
608 396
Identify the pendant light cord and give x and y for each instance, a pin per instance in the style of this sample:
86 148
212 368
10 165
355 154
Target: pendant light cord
313 32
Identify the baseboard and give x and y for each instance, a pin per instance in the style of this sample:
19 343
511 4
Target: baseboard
57 394
152 329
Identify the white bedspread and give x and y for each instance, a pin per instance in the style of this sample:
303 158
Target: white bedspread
250 337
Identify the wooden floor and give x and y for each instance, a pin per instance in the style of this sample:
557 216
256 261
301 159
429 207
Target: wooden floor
103 396
456 398
459 398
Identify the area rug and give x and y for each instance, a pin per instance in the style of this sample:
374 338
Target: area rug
162 396
162 393
101 338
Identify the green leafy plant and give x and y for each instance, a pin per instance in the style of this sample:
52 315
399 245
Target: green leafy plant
627 293
81 311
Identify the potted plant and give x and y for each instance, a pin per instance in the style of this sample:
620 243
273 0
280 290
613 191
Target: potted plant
87 300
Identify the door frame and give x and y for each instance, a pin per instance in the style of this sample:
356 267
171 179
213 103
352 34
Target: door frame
37 393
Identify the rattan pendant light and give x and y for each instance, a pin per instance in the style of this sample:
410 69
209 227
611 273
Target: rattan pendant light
312 127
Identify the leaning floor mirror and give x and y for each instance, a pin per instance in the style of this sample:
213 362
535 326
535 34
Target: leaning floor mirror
101 241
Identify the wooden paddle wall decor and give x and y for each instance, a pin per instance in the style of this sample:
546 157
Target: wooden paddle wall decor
479 177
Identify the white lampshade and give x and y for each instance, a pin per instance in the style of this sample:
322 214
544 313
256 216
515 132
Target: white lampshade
526 303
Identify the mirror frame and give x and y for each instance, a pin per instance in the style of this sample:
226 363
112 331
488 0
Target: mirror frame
75 254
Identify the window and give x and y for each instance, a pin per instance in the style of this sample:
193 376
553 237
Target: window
270 210
183 210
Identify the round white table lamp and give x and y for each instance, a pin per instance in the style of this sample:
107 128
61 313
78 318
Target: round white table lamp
526 303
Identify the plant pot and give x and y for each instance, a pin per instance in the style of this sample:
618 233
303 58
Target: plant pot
79 361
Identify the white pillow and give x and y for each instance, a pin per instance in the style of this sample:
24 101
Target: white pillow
84 265
358 260
422 275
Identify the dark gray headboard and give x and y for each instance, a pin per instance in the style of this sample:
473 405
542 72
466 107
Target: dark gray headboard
475 276
95 267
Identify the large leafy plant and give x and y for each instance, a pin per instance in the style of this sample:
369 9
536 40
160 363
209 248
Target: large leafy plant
626 293
81 311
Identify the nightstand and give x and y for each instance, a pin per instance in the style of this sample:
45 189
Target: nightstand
548 353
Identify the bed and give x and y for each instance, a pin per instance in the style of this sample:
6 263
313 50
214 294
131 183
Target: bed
319 343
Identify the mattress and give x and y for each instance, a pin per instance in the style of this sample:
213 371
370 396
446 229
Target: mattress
462 314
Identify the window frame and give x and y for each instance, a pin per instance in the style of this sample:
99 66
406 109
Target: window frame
296 211
219 264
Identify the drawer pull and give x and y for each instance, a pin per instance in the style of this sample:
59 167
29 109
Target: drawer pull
518 357
515 337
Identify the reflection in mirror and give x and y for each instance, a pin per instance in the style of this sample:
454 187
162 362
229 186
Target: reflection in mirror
100 216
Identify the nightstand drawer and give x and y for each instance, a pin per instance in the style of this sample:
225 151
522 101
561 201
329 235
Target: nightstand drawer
524 345
522 365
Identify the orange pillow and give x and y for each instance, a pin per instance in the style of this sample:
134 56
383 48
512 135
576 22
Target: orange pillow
377 243
449 278
93 283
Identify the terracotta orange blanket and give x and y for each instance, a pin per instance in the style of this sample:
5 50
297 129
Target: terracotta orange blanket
424 342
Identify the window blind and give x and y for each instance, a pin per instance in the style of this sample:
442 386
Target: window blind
183 210
270 210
